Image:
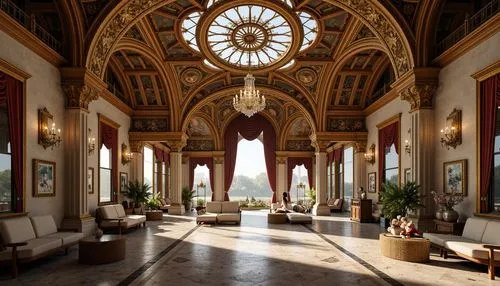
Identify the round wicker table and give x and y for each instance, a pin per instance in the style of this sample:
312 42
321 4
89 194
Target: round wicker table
406 249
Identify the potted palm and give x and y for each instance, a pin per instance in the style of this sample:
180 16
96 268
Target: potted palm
154 205
311 194
400 201
139 193
187 197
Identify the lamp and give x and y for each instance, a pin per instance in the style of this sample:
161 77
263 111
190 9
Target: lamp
370 154
126 156
407 144
47 137
91 144
249 101
451 135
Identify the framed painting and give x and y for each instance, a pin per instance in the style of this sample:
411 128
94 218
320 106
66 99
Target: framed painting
455 177
407 175
44 178
123 182
90 180
372 182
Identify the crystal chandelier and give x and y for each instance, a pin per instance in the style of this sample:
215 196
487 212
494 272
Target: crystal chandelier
249 101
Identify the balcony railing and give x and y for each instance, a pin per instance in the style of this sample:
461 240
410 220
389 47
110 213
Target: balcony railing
470 24
30 24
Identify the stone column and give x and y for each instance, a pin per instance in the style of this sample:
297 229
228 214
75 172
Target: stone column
359 168
159 178
218 186
80 89
282 178
176 170
419 93
185 172
136 165
321 208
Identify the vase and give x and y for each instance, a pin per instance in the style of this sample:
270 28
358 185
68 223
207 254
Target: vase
439 215
450 216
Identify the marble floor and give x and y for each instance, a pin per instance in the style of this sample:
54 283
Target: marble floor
331 251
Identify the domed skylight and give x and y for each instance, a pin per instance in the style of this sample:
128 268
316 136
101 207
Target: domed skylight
310 27
189 29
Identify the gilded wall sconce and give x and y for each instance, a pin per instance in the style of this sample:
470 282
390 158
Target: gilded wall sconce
126 156
451 134
370 154
407 143
48 137
91 143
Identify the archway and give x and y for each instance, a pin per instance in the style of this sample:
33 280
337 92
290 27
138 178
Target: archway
250 129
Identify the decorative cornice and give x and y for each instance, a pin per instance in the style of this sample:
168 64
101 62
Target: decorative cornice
359 146
418 87
419 96
79 96
13 71
320 141
281 160
80 87
176 141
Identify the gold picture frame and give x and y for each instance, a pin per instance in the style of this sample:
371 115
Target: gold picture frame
372 182
90 180
44 178
455 177
407 172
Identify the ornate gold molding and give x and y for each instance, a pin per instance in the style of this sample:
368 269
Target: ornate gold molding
80 87
136 146
281 160
218 160
359 146
79 96
419 96
320 141
177 141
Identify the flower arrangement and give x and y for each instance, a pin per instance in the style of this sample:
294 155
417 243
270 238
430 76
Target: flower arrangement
447 201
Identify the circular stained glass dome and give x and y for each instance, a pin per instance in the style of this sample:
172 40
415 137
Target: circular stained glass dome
249 36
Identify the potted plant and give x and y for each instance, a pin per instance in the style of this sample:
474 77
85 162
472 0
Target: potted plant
200 204
187 197
311 194
154 202
138 193
399 201
445 205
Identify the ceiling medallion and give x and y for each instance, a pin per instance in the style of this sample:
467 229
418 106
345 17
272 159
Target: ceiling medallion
191 76
306 76
253 34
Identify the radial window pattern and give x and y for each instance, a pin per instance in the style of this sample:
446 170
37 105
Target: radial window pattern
189 29
310 27
212 2
250 35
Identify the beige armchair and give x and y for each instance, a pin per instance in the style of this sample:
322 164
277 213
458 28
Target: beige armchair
335 204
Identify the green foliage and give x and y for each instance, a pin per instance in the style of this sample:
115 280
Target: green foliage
244 204
200 202
154 201
311 194
399 201
138 192
187 195
5 186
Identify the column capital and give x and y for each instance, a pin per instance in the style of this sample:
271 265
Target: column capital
418 87
80 87
176 141
320 141
136 146
219 160
281 160
360 146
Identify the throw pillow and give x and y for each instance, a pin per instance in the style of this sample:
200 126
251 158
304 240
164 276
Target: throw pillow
337 202
331 201
163 202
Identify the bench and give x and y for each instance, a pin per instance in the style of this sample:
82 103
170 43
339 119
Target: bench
479 242
114 217
220 212
27 239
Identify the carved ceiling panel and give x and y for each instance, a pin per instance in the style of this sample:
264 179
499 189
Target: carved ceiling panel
198 127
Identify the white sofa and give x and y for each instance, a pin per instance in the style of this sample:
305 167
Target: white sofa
479 242
220 212
293 216
114 217
27 239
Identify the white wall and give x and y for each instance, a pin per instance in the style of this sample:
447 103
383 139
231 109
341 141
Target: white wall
391 109
122 119
457 89
43 89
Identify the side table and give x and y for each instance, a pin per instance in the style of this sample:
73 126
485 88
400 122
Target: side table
108 248
405 249
455 228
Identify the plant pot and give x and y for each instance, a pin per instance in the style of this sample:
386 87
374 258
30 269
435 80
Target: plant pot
450 216
188 205
439 215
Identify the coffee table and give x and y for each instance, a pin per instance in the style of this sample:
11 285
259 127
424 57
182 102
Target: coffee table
406 249
107 249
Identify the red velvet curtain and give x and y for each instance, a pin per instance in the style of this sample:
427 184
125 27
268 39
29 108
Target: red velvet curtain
250 129
11 92
159 154
386 137
202 161
489 101
109 138
338 154
292 162
330 157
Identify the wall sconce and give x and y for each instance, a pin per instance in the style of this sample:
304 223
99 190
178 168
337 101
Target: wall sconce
91 144
47 137
407 144
451 135
126 156
370 154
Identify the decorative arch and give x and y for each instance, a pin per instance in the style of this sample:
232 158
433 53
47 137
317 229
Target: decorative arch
75 23
147 52
287 128
250 129
188 114
426 26
128 12
216 135
353 49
